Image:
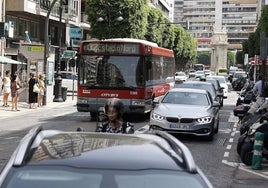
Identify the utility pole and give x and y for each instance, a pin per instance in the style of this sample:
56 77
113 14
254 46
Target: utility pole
46 47
58 79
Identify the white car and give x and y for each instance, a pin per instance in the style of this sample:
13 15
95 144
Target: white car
199 74
223 83
180 76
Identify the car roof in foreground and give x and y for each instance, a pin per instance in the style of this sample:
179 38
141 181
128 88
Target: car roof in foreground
103 150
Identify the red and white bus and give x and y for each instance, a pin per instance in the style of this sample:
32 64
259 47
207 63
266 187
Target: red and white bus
136 71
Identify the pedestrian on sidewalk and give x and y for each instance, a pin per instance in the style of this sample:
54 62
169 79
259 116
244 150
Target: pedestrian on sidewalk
15 86
1 83
6 88
32 95
42 89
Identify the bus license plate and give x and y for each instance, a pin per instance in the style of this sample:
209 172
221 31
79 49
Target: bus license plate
178 126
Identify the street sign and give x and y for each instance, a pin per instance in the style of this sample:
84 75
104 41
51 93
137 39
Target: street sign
68 54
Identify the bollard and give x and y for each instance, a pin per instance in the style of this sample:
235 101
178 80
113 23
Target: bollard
257 153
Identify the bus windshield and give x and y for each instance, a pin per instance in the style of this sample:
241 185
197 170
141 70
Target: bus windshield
111 71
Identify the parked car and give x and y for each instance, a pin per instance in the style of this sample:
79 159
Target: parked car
69 80
53 158
186 111
223 83
180 76
201 85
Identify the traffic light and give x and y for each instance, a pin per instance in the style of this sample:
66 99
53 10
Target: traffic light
3 29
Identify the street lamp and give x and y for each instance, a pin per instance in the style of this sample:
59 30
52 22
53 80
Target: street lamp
109 17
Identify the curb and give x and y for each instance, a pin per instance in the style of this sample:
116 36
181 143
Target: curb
6 112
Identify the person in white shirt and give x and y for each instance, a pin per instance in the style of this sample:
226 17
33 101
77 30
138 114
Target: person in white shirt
6 88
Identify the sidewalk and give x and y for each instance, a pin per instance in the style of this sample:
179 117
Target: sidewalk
6 112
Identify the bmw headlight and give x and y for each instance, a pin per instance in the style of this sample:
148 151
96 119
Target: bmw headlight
204 120
157 117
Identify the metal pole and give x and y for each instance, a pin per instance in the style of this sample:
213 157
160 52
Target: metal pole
58 79
46 51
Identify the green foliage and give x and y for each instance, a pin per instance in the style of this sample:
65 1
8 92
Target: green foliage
240 58
204 57
133 24
230 58
140 21
252 45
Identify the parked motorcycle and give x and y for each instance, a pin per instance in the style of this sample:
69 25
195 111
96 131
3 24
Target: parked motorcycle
247 146
248 128
244 100
253 116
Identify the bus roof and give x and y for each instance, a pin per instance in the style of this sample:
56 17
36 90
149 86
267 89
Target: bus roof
132 40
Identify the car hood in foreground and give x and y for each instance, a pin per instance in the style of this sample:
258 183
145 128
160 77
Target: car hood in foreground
186 111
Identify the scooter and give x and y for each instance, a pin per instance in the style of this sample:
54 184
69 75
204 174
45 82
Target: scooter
253 114
247 146
249 127
244 100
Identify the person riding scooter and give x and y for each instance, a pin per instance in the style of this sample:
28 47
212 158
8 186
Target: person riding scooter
113 110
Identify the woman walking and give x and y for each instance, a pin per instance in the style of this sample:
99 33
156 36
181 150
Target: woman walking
15 86
42 89
32 95
6 88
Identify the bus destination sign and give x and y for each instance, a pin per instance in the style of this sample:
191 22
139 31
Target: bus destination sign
111 48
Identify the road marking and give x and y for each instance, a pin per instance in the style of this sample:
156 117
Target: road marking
231 140
229 147
226 154
245 168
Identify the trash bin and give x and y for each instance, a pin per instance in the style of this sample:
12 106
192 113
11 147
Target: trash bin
64 92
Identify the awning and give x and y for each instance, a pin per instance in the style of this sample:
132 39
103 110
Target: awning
6 60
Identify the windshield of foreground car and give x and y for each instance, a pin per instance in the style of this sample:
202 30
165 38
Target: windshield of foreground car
83 178
187 98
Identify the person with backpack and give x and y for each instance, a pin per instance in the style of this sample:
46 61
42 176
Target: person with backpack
113 110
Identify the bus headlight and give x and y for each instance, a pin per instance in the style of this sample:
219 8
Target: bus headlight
157 117
82 100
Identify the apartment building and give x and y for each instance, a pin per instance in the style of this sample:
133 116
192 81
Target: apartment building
166 6
29 18
239 18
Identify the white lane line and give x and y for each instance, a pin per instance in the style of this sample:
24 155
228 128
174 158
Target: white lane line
226 154
229 147
231 140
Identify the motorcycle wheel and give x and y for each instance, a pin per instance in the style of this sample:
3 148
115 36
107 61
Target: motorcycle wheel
240 143
247 153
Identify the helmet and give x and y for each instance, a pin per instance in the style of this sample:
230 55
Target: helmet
115 103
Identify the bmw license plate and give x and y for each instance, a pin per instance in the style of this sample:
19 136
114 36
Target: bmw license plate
178 126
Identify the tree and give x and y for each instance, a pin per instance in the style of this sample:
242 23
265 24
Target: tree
133 24
204 58
140 21
230 58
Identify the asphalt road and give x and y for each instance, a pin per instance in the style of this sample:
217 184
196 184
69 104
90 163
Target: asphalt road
218 159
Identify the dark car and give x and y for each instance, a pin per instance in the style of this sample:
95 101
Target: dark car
218 88
186 111
201 85
57 159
